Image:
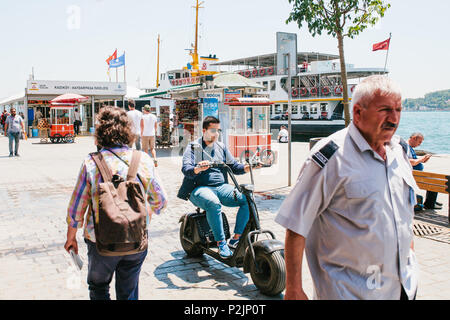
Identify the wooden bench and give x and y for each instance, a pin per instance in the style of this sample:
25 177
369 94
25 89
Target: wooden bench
433 182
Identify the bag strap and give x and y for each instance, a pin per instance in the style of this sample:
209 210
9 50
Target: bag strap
134 165
102 166
137 163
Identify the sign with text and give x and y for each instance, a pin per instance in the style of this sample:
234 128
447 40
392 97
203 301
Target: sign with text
78 87
210 107
286 45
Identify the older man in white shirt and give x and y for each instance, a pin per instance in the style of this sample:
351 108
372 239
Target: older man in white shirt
351 209
135 116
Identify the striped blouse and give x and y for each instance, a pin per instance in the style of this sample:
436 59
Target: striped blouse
86 193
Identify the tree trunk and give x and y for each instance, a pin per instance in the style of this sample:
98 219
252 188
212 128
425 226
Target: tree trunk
344 78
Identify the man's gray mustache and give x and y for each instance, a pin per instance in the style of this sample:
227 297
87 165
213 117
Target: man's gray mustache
389 125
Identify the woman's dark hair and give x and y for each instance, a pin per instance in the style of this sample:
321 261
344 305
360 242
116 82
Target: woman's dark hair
208 120
113 128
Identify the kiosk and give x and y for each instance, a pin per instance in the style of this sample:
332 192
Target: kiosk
249 129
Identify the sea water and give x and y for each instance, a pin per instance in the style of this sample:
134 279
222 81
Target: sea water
435 126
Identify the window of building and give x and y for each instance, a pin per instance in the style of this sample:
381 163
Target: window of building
273 85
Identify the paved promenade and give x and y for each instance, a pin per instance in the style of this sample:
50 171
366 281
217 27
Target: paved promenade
34 192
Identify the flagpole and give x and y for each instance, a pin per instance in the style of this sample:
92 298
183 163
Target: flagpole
117 73
124 69
387 52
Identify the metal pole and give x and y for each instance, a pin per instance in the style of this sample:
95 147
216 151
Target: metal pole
289 118
387 53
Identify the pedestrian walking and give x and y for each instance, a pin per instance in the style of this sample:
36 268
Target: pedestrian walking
77 121
14 127
107 173
135 116
351 210
3 118
149 125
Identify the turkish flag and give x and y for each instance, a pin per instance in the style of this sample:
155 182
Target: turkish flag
113 57
382 45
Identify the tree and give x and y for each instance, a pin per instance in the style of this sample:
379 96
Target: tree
339 18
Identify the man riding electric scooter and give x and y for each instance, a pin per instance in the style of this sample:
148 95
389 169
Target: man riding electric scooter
207 187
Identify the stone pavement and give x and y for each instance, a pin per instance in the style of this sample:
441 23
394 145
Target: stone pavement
34 192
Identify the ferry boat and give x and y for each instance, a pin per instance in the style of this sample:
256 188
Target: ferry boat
317 91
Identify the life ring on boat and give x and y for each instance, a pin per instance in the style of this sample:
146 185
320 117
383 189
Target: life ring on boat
247 73
270 71
303 92
254 73
172 82
325 91
338 90
313 91
262 72
295 92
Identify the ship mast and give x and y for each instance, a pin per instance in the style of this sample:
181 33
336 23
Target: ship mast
157 66
195 61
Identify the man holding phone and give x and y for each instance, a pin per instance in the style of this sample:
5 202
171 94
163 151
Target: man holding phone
414 141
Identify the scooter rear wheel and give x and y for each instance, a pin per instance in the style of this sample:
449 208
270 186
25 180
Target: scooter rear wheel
271 280
192 250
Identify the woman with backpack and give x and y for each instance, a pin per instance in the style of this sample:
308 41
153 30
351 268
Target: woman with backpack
120 190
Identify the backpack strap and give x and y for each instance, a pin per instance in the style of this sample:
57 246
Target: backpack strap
134 165
102 166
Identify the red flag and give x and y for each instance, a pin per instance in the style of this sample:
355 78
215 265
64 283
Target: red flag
113 57
382 45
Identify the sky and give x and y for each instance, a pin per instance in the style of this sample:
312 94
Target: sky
71 39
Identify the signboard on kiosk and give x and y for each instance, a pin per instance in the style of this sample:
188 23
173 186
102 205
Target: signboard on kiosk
78 87
210 107
231 94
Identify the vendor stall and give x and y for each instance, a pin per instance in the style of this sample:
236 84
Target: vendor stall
249 129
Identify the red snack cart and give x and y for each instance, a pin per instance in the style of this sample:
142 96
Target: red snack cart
61 117
249 129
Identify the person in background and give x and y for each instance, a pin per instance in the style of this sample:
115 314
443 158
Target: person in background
77 121
135 117
283 135
113 133
149 124
414 141
14 127
3 118
351 210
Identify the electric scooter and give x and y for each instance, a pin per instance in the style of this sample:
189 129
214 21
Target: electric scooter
263 259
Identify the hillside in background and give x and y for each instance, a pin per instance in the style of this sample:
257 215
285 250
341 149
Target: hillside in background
436 101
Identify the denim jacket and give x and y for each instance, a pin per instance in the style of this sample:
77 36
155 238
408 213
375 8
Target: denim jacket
195 153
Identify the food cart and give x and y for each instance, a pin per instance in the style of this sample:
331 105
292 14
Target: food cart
62 117
249 129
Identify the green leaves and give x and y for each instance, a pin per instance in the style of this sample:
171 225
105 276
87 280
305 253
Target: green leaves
345 17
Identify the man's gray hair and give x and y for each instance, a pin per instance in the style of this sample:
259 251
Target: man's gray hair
372 86
416 134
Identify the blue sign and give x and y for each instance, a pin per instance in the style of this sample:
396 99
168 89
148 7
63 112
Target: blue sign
210 107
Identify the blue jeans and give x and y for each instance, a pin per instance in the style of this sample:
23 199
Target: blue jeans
101 270
211 199
13 137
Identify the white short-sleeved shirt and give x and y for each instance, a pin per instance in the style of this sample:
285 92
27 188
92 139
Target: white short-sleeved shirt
356 212
14 123
149 124
135 116
283 135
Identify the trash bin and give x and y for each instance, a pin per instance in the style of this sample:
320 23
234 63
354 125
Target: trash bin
313 141
35 132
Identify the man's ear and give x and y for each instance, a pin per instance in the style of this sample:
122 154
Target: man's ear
357 109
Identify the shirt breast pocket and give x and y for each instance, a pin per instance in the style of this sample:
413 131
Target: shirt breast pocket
360 189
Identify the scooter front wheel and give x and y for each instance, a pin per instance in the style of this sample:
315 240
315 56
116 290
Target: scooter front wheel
192 250
270 276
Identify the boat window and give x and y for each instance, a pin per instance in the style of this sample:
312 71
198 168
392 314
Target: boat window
313 109
304 108
294 109
265 84
177 76
323 107
285 108
277 108
273 85
271 109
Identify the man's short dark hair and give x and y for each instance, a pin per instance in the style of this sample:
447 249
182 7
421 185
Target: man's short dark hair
208 120
131 103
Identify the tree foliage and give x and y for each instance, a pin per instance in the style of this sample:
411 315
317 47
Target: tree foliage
340 19
434 100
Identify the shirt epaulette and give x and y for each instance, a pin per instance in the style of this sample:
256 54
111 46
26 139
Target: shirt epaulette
324 155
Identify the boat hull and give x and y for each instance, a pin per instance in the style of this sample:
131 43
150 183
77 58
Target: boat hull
319 128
